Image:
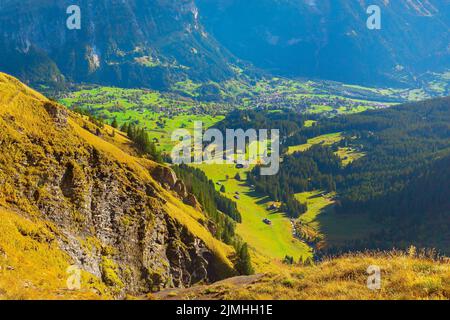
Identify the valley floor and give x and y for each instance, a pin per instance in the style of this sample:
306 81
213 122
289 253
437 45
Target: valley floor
269 242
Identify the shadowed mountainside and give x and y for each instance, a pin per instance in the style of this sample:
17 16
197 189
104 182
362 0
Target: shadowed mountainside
329 39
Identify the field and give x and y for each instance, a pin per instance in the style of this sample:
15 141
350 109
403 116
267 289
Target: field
326 140
275 241
347 154
332 228
309 123
159 114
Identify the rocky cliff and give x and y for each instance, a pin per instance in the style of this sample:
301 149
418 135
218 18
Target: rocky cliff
123 220
329 39
156 43
134 43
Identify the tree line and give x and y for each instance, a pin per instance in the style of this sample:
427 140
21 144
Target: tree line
140 139
222 211
299 172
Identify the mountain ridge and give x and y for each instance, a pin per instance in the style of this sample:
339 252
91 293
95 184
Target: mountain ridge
137 43
156 44
329 39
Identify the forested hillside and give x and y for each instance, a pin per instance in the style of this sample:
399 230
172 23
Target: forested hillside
397 141
399 179
418 214
123 43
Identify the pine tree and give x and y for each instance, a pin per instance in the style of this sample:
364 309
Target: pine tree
244 263
114 123
124 128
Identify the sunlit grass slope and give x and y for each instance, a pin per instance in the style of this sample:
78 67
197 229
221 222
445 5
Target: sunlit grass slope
23 120
325 224
326 140
273 242
403 276
32 266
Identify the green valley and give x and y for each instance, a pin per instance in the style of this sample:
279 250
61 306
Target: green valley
273 241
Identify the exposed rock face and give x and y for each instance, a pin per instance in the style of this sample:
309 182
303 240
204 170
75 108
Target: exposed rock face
91 198
169 180
110 219
59 115
142 43
165 176
329 39
192 201
180 188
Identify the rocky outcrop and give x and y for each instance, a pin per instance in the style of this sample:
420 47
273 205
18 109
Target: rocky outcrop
168 179
180 189
58 114
111 211
165 176
192 201
105 211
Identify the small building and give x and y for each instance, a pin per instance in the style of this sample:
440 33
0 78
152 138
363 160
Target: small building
274 206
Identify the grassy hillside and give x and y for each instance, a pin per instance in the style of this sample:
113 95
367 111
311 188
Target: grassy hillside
323 227
33 266
404 276
268 242
73 192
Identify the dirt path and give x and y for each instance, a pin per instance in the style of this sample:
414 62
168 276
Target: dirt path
215 291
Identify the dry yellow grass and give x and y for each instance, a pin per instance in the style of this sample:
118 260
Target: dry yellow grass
32 266
23 119
187 216
403 277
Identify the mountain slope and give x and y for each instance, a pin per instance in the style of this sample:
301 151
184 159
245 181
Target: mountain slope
418 214
87 203
404 276
135 43
147 43
401 180
329 39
